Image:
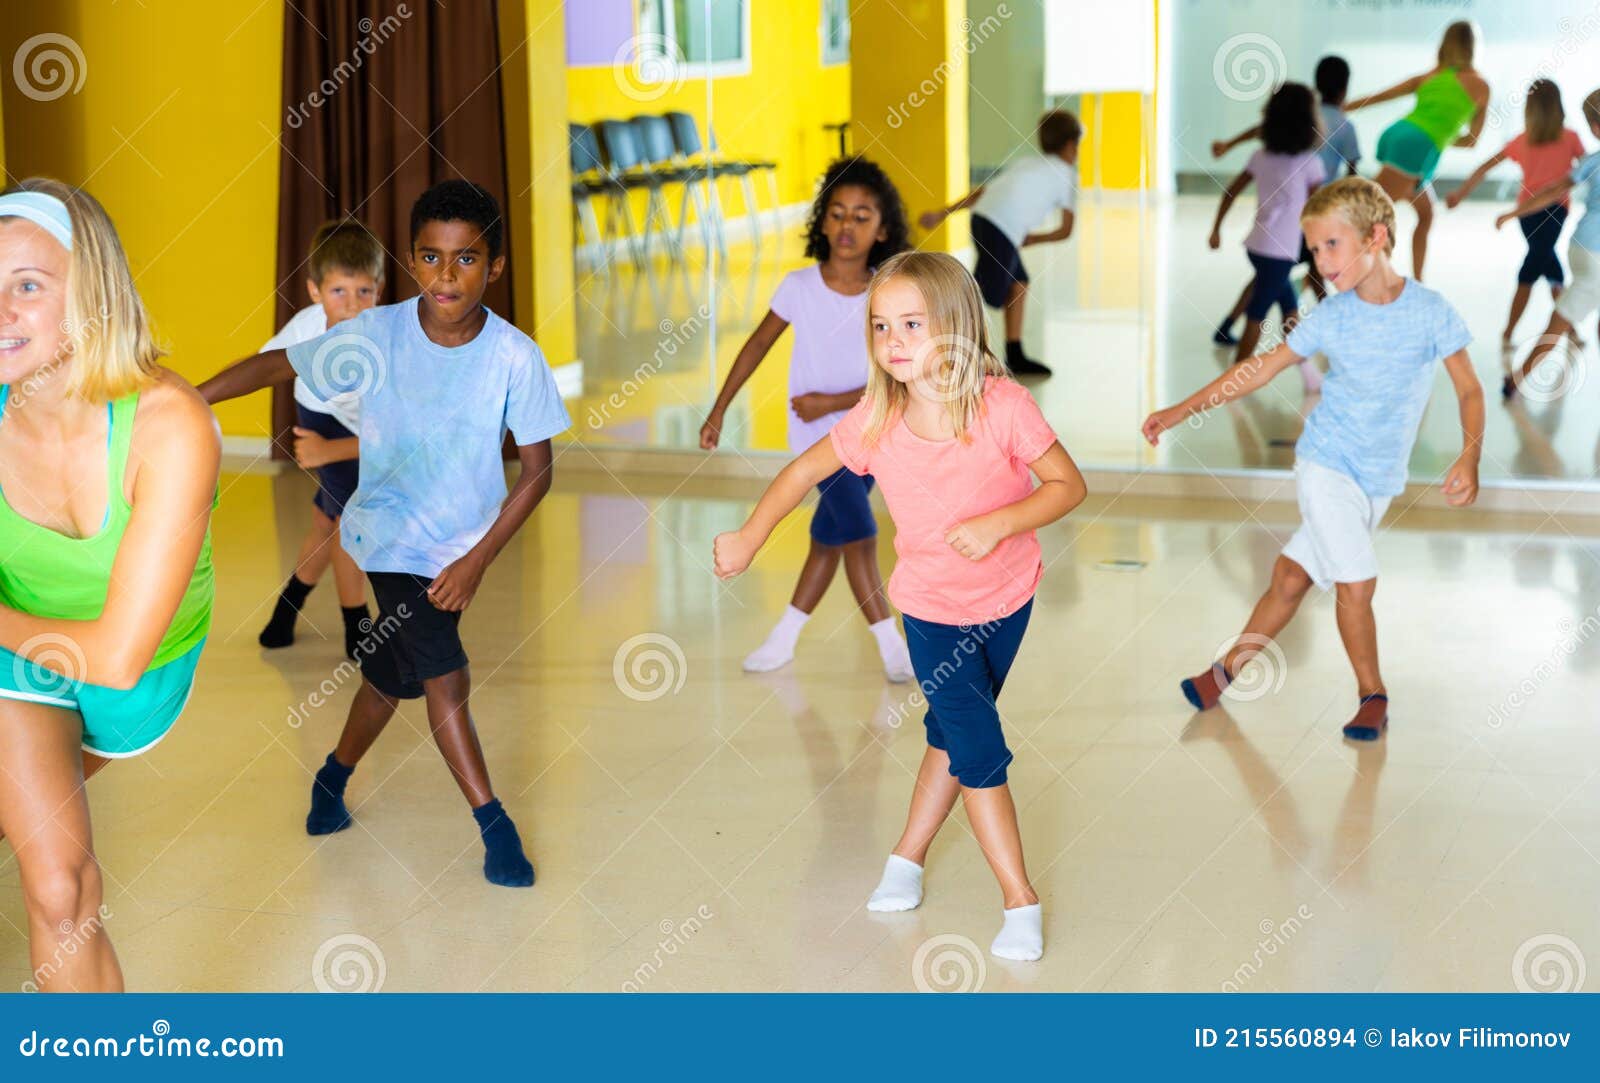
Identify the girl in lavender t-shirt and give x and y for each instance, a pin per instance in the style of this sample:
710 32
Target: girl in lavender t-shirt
856 223
1286 170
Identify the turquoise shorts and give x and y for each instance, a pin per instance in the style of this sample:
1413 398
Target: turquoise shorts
117 722
1409 149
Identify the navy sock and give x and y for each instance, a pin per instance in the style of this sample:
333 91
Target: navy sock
504 863
279 631
354 616
328 813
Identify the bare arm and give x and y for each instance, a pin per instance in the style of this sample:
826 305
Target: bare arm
312 449
177 452
251 374
1454 198
456 586
1548 196
931 219
751 354
1461 482
1219 147
1229 194
814 404
1480 95
1060 233
1061 488
1235 383
1399 90
734 550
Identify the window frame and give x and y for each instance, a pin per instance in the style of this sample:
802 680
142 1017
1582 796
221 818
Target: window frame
662 14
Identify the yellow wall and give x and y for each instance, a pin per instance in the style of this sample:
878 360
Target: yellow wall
1123 138
909 112
534 90
776 112
175 131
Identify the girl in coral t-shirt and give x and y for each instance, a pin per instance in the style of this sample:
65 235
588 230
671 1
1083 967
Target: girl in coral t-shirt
951 439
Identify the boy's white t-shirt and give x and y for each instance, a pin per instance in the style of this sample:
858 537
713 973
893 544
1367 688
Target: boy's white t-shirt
303 326
1022 195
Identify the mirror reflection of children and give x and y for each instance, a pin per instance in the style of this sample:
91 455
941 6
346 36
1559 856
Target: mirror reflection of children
1339 149
1285 170
952 439
1006 210
1451 95
857 222
1581 298
1546 149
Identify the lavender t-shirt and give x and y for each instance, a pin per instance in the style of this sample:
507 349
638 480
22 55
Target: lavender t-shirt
830 345
1283 181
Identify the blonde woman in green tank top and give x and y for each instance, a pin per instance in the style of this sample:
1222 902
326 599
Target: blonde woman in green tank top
108 473
1450 96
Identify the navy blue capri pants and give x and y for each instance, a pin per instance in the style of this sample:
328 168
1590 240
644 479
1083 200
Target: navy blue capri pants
1271 287
1543 230
961 671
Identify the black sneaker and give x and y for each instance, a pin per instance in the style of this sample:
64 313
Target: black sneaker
1508 389
1025 366
1223 336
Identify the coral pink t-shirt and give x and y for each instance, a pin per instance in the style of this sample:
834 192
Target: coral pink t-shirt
1546 162
931 486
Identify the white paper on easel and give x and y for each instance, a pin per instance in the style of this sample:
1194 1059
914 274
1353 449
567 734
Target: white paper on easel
1099 47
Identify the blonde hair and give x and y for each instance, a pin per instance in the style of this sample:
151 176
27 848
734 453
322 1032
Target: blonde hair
956 329
106 333
1460 41
1591 108
1542 114
345 245
1359 201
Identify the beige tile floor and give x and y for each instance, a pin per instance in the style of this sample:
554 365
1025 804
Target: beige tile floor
698 829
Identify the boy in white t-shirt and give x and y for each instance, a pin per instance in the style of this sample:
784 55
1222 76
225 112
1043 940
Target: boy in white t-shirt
1004 212
344 276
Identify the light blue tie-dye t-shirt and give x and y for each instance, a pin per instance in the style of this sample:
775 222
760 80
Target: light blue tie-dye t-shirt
1586 178
1380 370
433 421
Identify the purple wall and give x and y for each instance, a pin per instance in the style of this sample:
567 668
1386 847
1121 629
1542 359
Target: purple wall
596 29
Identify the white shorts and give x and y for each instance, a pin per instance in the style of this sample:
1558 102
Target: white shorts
1581 298
1338 521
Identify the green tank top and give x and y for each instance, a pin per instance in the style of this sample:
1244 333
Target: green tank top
1443 106
48 574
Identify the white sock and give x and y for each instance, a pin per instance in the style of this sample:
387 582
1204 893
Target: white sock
1022 936
900 888
892 649
778 650
1311 376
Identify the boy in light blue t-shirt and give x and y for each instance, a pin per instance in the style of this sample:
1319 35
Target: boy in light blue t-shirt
440 380
1382 335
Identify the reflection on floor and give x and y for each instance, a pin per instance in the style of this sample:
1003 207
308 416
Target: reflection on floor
1124 334
698 829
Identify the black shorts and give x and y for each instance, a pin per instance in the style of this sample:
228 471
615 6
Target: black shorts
411 641
999 262
336 482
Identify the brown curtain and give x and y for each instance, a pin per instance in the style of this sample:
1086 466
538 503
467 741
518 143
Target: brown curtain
381 99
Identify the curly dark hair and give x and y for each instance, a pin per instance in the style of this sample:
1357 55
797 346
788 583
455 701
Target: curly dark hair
1289 123
461 201
860 173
